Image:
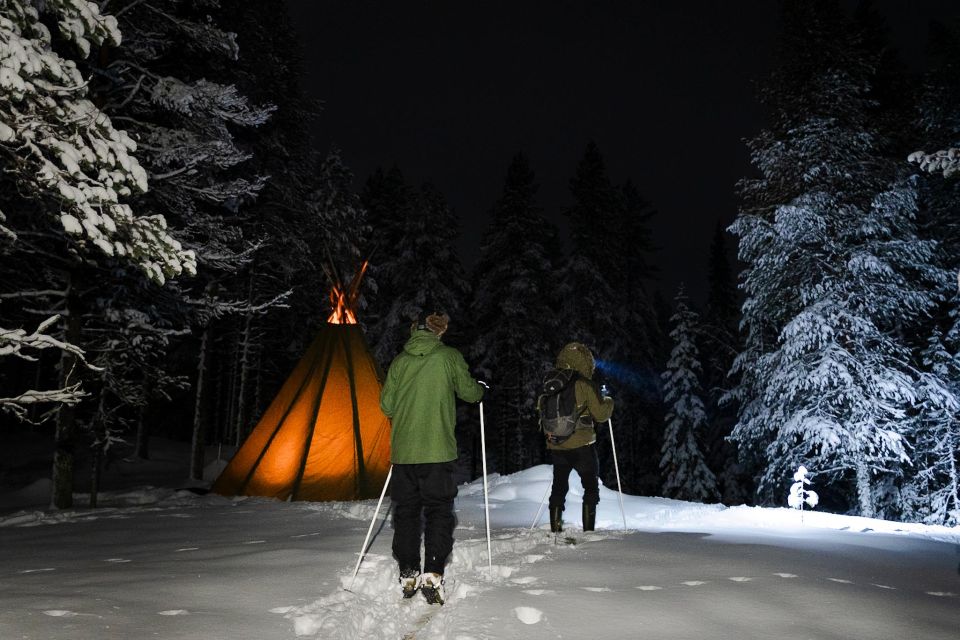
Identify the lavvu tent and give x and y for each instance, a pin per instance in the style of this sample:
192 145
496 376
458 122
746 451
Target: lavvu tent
324 436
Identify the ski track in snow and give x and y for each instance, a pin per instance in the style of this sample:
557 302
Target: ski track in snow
374 608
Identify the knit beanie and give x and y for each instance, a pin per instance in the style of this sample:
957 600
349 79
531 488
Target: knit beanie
436 322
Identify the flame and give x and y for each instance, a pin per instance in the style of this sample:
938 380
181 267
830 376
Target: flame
344 301
340 313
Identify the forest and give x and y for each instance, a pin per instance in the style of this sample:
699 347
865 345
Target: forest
169 237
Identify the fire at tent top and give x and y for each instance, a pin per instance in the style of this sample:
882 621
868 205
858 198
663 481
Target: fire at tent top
343 300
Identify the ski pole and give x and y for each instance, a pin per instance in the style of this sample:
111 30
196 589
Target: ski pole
363 549
486 497
617 469
543 501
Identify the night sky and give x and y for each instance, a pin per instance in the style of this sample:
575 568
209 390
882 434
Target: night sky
450 91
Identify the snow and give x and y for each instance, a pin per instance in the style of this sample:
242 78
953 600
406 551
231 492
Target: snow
156 560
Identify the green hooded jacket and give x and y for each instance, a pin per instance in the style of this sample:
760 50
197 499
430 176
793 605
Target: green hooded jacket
590 405
420 395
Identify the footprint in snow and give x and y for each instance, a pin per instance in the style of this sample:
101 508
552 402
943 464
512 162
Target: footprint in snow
116 560
538 592
524 580
36 570
840 580
528 615
740 579
882 586
174 612
694 583
60 613
941 594
786 575
597 589
188 549
255 542
649 587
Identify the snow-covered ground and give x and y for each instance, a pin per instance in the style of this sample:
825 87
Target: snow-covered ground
156 562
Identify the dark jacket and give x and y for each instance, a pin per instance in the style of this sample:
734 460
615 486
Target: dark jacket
592 407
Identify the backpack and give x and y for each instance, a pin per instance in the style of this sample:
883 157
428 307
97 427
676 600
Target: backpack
557 405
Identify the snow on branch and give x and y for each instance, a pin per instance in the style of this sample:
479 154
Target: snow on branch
64 149
18 405
946 161
14 341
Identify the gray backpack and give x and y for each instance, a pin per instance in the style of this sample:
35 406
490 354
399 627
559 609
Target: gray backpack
557 405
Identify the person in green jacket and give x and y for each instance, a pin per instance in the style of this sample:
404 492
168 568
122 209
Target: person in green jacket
579 450
419 396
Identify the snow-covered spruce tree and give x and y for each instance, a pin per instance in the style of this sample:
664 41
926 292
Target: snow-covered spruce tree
71 169
393 210
682 464
63 151
302 231
938 104
421 269
720 344
512 317
836 275
604 304
931 492
185 81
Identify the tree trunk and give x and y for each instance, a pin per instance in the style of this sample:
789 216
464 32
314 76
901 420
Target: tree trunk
864 490
65 436
954 450
244 367
142 449
99 426
231 423
198 441
97 466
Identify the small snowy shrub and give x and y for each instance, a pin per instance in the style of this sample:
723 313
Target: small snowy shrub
799 494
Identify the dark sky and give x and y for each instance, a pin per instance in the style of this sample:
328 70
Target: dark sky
450 91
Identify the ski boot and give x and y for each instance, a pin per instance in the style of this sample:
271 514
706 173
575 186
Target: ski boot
432 588
409 582
556 519
589 516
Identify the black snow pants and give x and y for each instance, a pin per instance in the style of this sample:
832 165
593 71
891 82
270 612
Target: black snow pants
584 461
426 490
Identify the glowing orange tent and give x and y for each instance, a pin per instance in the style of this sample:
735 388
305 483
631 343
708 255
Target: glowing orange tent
324 436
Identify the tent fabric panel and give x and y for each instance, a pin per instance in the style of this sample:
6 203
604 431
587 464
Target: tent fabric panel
374 426
330 471
286 409
316 441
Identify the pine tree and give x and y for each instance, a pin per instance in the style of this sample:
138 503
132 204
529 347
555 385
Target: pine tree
835 273
931 493
511 311
390 203
604 303
721 344
684 469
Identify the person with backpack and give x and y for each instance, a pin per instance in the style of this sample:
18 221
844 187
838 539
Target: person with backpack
570 408
419 396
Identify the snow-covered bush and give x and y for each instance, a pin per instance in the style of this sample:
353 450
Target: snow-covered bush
799 494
